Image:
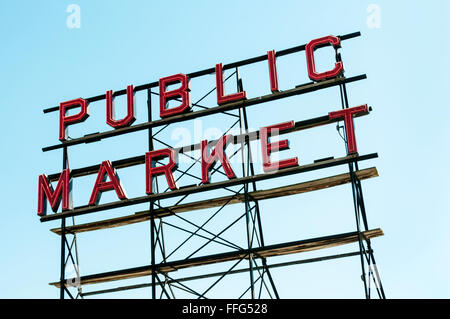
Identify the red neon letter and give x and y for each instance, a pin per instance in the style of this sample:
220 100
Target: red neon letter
221 97
101 185
129 119
347 114
64 120
218 153
45 189
166 96
267 147
273 71
313 45
151 170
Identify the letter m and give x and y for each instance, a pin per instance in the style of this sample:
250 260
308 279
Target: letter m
62 191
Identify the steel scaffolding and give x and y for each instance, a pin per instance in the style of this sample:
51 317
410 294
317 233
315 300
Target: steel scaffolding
261 282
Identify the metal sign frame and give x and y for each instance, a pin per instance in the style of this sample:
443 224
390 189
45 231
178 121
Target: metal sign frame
256 252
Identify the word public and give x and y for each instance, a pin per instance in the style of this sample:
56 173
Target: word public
107 178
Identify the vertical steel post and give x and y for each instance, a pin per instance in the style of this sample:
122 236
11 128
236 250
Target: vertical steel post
77 266
345 105
249 169
151 208
246 201
359 207
63 238
257 211
63 254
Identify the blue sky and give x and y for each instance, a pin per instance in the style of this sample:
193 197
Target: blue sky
43 62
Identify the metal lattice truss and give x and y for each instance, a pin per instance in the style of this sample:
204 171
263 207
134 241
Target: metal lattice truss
200 245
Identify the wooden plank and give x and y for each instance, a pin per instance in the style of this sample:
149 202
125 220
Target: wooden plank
217 202
268 251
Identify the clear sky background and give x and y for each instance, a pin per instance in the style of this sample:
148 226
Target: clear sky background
44 62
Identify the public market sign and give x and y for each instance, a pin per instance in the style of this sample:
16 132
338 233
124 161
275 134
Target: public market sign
212 152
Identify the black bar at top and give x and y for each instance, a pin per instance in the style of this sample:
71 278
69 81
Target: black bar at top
212 70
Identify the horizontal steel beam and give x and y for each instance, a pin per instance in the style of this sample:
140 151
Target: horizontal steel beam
232 272
207 187
260 252
211 70
310 87
287 190
251 136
